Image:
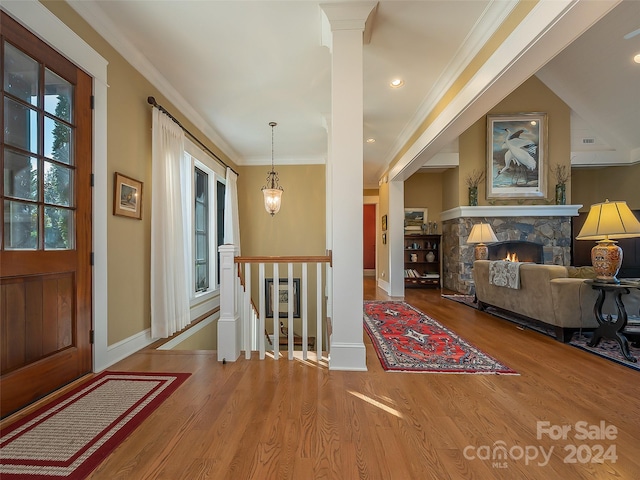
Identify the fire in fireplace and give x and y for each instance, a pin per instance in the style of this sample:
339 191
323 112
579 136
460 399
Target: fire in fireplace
511 257
516 251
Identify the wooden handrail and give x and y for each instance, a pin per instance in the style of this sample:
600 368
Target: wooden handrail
286 259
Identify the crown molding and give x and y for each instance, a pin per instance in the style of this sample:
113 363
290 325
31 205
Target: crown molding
108 30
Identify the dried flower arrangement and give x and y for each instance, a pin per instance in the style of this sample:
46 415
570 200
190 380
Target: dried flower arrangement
474 178
561 172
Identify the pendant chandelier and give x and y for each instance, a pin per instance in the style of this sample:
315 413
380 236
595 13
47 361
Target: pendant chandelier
272 191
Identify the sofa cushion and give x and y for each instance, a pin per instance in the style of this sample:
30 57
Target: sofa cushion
581 272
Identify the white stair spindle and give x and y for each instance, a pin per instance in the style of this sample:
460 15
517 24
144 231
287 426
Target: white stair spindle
305 319
261 310
275 307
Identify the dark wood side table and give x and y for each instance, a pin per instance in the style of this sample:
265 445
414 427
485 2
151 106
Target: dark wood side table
610 326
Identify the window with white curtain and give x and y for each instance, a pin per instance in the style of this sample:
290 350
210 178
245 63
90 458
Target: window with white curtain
206 190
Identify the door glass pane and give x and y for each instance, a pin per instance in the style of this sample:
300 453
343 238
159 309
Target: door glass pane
58 228
20 226
20 175
57 141
58 96
20 126
58 184
20 75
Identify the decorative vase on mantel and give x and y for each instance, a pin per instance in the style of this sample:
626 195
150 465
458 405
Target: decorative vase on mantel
561 194
473 196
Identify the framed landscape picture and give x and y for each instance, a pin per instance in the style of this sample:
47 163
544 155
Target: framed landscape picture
414 219
127 197
283 297
516 155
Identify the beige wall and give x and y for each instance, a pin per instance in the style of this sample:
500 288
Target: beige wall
206 339
297 229
424 190
531 96
382 261
595 185
128 152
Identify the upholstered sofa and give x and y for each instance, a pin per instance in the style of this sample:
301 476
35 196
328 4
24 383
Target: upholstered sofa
552 294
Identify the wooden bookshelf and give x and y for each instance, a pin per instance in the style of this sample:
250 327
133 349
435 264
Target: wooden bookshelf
422 261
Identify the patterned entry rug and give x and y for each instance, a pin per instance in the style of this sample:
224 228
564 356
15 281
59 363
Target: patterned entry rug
69 437
407 340
608 349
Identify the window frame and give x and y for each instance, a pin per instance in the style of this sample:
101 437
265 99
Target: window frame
197 158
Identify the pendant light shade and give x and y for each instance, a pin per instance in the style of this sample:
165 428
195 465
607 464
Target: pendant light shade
272 191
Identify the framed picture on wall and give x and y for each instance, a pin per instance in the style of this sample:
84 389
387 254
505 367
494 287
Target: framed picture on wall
414 219
283 297
127 197
516 155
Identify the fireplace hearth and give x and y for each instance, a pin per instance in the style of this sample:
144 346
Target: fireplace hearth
524 251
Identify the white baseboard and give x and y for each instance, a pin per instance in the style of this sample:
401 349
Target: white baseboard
384 285
348 357
122 349
188 333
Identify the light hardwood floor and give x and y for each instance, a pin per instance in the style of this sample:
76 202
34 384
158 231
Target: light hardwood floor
298 420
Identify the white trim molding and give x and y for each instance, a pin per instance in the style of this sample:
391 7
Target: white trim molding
511 211
38 19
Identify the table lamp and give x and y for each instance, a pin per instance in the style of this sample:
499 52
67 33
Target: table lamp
605 222
481 234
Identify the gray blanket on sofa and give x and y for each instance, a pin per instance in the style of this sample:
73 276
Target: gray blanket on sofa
504 274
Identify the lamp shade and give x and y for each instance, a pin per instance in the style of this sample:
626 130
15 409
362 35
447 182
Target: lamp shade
605 222
482 233
609 220
272 199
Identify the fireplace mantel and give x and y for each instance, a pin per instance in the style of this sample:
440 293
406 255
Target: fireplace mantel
511 211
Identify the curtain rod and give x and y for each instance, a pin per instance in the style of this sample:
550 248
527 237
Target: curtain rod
152 101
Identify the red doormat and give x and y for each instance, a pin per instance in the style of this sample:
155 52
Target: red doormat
69 437
407 340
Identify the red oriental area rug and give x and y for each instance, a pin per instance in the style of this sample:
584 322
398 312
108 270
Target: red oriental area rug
69 437
407 340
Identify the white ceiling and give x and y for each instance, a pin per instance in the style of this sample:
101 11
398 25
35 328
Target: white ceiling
233 66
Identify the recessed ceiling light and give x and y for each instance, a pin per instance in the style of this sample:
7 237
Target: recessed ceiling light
371 140
637 58
396 83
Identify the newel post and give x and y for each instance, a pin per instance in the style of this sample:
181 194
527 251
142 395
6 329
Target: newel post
229 338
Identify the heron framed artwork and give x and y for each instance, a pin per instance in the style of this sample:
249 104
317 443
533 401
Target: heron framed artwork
516 155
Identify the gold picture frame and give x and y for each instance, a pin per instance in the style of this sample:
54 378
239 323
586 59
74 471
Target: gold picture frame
127 196
516 155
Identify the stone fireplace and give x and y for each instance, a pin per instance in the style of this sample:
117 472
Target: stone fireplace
548 226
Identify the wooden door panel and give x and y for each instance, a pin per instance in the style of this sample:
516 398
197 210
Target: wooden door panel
46 313
38 319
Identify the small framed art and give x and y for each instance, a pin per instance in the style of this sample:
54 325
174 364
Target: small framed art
127 197
283 297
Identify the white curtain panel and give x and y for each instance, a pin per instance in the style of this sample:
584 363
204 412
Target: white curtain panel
231 215
169 285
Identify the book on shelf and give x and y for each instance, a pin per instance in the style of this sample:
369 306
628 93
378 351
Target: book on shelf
411 273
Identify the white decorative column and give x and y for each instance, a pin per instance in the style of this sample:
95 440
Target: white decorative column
229 332
347 24
396 238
